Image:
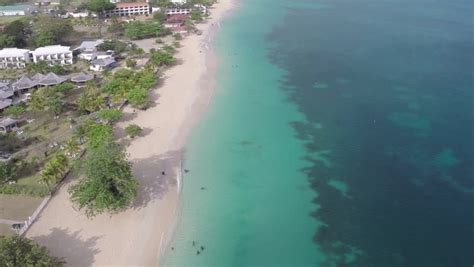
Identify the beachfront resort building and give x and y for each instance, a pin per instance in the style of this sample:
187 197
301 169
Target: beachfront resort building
175 21
53 54
16 10
14 58
129 9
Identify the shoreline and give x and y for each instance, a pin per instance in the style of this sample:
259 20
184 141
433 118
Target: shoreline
140 235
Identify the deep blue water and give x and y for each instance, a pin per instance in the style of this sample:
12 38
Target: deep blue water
387 89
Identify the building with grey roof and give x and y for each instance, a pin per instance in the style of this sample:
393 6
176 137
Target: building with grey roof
23 84
102 64
82 78
51 79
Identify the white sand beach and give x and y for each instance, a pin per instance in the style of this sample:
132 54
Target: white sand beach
137 236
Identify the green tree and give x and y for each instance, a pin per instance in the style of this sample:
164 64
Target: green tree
51 30
100 6
38 101
98 134
131 63
55 105
7 40
108 184
138 97
20 251
110 115
115 45
159 17
161 58
140 30
71 146
40 67
64 87
7 171
133 130
18 30
90 101
58 69
15 111
54 169
196 15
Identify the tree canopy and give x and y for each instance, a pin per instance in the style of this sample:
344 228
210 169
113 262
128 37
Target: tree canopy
130 85
7 171
54 169
108 184
20 251
100 6
140 30
51 30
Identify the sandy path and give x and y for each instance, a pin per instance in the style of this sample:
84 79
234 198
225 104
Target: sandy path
136 236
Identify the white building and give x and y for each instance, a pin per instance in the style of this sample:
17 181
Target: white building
129 9
14 58
53 54
178 2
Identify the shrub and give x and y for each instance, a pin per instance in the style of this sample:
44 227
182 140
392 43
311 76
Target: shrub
110 115
133 130
15 111
177 36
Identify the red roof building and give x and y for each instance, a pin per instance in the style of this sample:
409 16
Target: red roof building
175 21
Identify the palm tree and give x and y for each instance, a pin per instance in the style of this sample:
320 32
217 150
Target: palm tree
54 169
71 146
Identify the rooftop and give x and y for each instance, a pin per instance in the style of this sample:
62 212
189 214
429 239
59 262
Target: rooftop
103 62
90 45
37 77
5 103
7 122
82 77
23 83
176 18
13 52
52 49
51 79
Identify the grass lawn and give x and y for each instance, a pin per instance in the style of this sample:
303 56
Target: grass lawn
6 230
8 19
17 207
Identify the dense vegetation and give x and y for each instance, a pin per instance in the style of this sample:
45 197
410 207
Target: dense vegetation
36 31
20 251
141 30
133 86
100 6
108 185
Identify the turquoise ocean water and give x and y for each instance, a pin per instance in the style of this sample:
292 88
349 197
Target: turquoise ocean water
340 134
